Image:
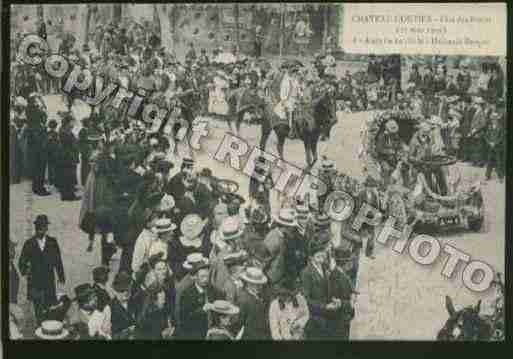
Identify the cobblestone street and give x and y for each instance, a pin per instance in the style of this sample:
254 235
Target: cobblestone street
399 299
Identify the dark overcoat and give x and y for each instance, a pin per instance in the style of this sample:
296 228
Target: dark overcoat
40 268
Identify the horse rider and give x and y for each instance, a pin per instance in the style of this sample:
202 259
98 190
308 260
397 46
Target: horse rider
290 93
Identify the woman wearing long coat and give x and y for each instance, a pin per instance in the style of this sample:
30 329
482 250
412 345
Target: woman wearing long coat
98 200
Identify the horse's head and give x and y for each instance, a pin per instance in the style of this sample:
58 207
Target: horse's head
464 324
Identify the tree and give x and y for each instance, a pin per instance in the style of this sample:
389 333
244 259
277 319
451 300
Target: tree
117 13
88 22
237 32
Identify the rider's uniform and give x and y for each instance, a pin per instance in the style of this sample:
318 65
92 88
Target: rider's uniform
290 92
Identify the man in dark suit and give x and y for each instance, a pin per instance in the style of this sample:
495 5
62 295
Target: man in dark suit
253 305
193 323
315 283
39 260
175 186
342 289
85 148
69 160
190 201
37 142
123 307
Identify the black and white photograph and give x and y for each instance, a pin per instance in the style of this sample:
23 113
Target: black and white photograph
232 172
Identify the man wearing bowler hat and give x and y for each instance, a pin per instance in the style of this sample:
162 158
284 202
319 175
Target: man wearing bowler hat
123 307
341 288
39 260
315 284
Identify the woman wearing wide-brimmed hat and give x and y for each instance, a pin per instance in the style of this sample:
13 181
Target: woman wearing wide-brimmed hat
156 319
147 246
191 241
224 271
96 215
288 312
222 314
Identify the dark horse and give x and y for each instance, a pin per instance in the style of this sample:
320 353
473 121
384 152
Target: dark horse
314 117
465 324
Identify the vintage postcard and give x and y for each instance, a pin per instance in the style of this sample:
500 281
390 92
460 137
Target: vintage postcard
257 171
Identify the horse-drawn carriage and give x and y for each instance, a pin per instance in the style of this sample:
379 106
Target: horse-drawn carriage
429 189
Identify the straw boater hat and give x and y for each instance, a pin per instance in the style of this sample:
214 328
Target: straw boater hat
194 262
163 225
231 228
20 102
494 115
167 203
392 126
286 217
435 120
94 135
192 226
237 258
452 99
52 330
253 275
424 127
222 307
455 114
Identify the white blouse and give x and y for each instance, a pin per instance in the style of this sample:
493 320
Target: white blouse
281 321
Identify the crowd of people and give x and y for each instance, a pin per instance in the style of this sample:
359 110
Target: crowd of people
199 261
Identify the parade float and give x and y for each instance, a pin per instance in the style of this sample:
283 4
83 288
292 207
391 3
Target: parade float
411 192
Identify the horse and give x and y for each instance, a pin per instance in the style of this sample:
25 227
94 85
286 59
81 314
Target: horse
312 111
465 324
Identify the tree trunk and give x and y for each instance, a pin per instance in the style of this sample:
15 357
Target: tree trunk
117 11
219 30
282 16
326 27
87 24
237 32
172 19
156 20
